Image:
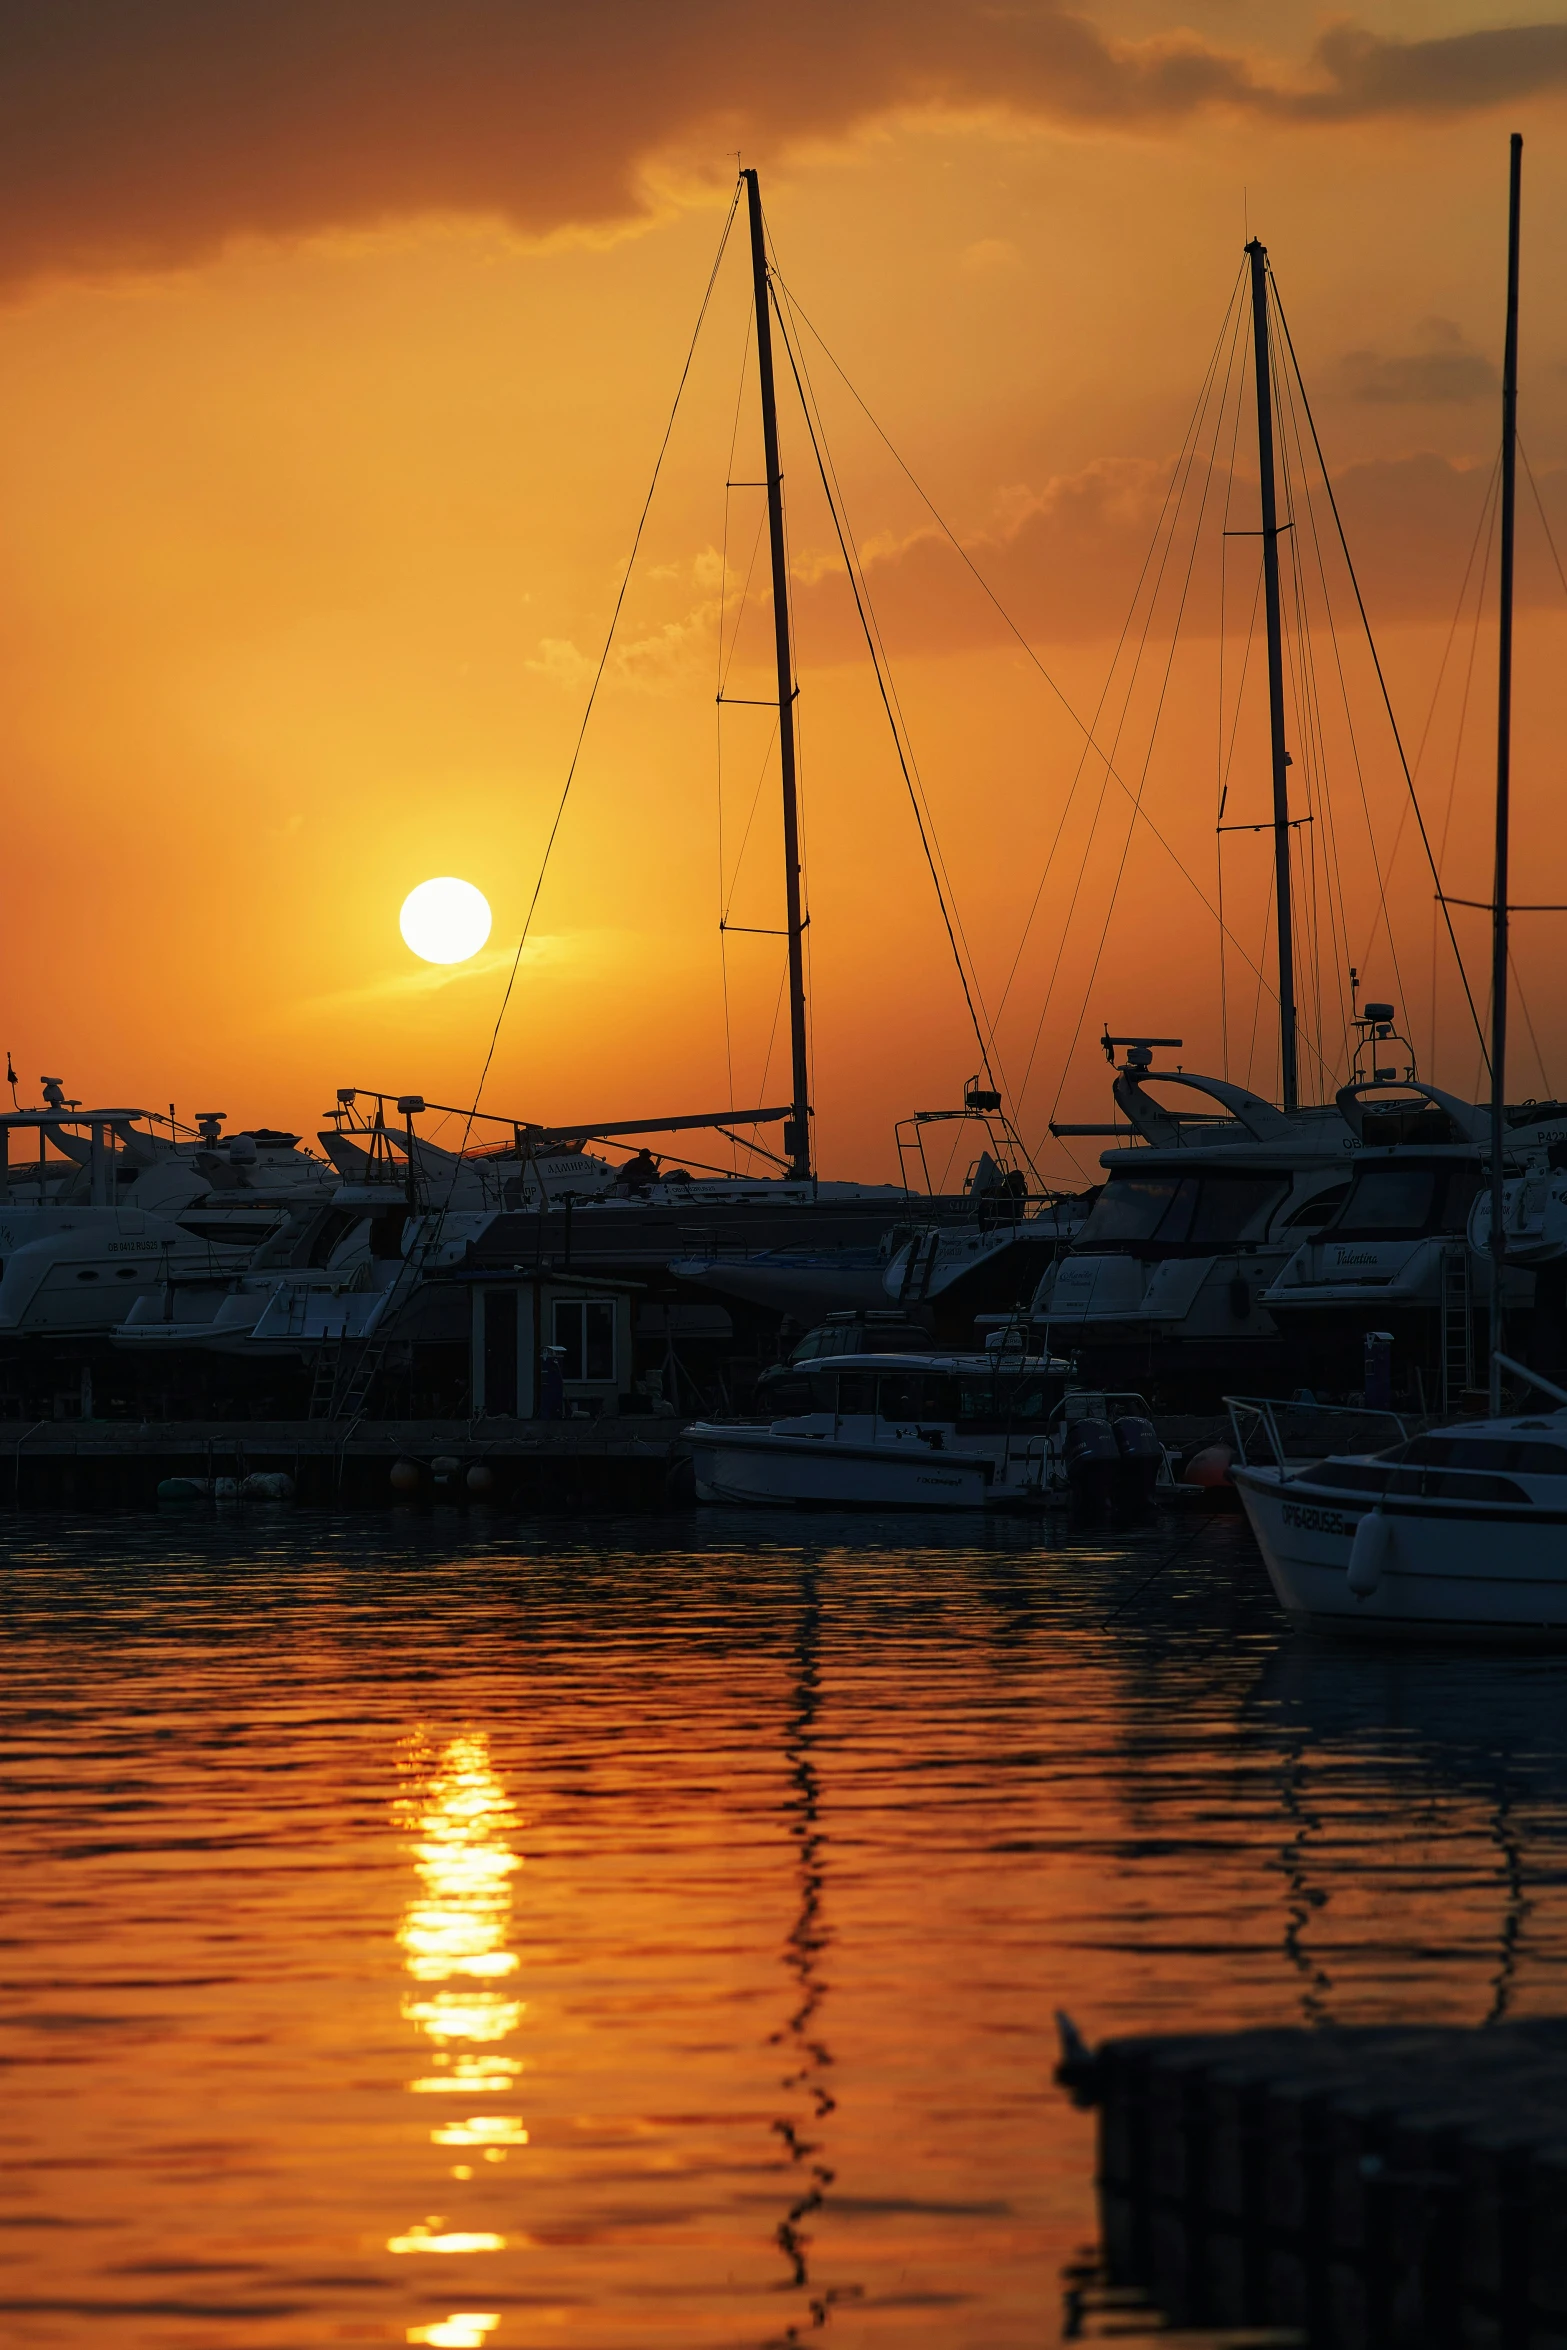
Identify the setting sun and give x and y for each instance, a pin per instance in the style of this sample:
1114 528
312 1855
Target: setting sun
445 921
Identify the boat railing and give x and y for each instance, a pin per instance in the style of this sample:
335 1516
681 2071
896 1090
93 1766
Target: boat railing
1271 1432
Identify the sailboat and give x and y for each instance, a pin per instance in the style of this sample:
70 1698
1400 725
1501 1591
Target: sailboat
1461 1531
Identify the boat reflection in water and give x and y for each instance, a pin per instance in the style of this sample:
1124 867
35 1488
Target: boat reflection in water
453 1936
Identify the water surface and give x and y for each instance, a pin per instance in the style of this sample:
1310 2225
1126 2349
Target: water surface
422 1930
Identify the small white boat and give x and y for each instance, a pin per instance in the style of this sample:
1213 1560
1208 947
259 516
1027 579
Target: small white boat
1457 1532
938 1431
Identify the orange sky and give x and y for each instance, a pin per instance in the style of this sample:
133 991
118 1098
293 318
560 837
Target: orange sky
337 347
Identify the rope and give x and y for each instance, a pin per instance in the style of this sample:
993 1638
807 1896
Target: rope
598 677
939 519
872 648
1540 510
1376 662
1164 688
1180 481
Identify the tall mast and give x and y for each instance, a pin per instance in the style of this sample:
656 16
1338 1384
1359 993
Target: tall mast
1281 760
1504 760
797 1132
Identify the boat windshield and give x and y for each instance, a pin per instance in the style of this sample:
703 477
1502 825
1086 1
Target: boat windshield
1171 1213
970 1399
1481 1452
1402 1203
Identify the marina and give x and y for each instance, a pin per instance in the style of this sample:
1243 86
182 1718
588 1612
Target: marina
848 1621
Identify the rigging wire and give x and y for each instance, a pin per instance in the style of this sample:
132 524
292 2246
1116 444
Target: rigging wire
718 724
1028 650
912 775
1256 1009
1162 547
598 678
1483 534
1307 654
1523 1005
1376 662
1164 687
1539 507
888 699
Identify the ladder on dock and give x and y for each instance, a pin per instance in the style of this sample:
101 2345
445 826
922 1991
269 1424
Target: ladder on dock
1457 1326
346 1370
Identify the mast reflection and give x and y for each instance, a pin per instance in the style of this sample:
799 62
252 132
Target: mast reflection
808 1938
454 1939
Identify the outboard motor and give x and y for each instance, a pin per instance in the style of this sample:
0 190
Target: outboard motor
1093 1464
1141 1455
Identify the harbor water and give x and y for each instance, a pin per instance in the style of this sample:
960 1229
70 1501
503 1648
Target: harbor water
426 1930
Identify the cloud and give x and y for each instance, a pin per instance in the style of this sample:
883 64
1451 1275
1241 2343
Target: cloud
1446 367
149 137
412 987
1064 562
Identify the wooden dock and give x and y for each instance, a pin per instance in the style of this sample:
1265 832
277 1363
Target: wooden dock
574 1466
1371 2189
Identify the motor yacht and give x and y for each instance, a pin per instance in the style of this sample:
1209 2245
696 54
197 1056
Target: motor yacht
996 1430
1397 1254
1164 1279
122 1210
1458 1531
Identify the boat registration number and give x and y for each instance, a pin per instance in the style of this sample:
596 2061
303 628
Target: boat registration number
1314 1521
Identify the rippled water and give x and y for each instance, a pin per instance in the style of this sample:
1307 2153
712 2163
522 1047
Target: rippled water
414 1932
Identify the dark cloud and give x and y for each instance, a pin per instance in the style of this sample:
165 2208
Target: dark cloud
148 135
1066 565
1444 369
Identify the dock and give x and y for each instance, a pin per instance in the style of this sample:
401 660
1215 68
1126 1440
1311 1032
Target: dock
1380 2188
577 1466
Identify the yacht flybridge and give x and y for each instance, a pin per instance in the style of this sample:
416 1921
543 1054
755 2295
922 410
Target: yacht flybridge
1197 1215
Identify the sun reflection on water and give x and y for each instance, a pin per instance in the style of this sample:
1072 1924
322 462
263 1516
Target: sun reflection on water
453 1937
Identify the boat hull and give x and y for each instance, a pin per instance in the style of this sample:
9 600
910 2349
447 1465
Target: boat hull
1444 1573
762 1471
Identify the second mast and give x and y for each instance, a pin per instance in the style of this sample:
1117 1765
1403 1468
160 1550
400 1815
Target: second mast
1289 1092
797 1132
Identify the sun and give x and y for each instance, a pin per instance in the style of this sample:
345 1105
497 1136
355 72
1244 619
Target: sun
445 921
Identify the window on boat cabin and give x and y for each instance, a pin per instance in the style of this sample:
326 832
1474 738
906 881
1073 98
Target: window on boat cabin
585 1330
853 1392
1313 1213
1197 1211
1400 1203
1234 1207
915 1395
1131 1207
1390 1200
1000 1399
892 1395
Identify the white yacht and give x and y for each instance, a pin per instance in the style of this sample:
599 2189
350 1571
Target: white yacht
1460 1531
997 1430
1200 1209
1397 1254
122 1210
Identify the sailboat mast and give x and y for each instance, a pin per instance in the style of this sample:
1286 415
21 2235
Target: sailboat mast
797 1132
1281 762
1504 760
